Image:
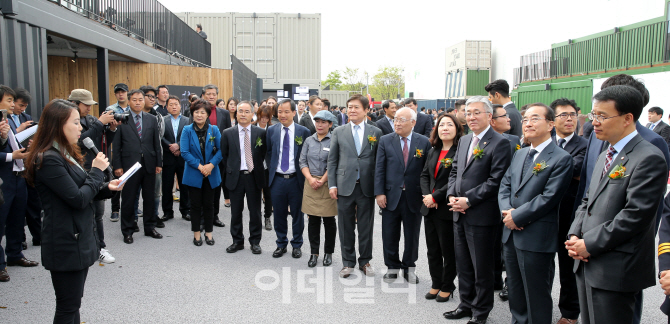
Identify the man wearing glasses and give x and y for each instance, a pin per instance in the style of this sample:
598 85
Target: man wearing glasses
500 122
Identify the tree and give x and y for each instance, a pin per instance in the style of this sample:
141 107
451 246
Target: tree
387 83
352 79
334 80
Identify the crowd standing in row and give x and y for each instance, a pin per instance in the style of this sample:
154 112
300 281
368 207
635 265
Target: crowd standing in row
497 188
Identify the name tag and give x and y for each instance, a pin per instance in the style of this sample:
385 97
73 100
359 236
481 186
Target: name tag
326 148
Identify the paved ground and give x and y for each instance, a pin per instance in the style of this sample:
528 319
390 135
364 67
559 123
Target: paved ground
173 281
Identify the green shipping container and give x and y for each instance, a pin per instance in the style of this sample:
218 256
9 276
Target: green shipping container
580 91
466 83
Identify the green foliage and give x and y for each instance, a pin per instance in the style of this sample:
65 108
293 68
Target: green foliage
386 84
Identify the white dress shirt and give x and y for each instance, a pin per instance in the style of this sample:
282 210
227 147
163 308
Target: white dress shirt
540 147
243 160
361 132
291 159
621 144
567 139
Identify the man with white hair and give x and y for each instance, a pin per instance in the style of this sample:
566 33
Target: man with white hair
479 165
399 197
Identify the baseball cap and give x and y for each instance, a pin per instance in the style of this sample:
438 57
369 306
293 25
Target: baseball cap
120 86
82 95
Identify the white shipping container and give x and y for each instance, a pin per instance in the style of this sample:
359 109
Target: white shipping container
280 48
335 97
468 55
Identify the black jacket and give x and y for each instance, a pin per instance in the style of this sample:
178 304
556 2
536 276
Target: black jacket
129 149
440 185
69 240
230 152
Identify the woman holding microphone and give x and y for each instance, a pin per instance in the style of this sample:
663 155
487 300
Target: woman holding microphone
69 240
200 147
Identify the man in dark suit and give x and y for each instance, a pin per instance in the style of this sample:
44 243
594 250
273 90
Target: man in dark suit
480 163
424 123
221 119
612 236
596 146
529 198
285 179
385 123
500 122
664 256
655 115
136 141
341 116
351 165
243 148
567 139
499 95
12 212
401 153
173 162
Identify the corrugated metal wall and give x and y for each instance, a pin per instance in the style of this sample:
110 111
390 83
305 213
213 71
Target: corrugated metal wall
280 48
23 61
466 83
476 81
580 91
244 81
335 97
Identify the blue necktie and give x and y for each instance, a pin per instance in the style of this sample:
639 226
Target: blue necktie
286 147
528 164
17 122
357 141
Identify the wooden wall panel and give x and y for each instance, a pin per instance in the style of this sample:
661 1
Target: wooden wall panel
64 76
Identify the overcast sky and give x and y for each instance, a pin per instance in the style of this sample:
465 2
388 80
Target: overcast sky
414 34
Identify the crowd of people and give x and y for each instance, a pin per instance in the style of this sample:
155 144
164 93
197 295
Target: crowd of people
497 188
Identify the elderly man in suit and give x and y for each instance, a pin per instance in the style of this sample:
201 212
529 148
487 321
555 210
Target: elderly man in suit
351 165
401 153
385 123
424 123
173 162
498 91
480 163
612 236
567 139
529 199
284 144
655 115
243 148
136 141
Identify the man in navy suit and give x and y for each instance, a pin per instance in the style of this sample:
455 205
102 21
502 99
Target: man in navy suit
285 179
385 123
173 162
401 153
424 123
12 212
567 139
595 147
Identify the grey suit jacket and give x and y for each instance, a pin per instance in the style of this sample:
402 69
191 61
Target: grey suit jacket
535 198
344 163
616 219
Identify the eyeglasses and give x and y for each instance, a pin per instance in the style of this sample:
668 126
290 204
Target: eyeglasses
151 97
532 120
505 115
566 115
400 120
475 113
599 118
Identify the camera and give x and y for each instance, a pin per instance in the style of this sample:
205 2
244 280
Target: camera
122 118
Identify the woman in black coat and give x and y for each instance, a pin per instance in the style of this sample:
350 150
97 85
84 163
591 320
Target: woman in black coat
439 228
69 240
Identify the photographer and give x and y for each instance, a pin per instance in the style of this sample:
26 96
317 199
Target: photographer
55 166
101 131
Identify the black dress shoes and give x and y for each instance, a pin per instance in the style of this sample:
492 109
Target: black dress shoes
390 276
458 313
197 242
153 234
411 277
296 253
4 276
160 224
256 249
312 261
504 294
441 299
209 241
128 239
279 252
327 259
477 320
234 248
186 217
22 262
219 223
167 217
430 296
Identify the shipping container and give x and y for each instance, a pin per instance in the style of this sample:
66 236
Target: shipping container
466 83
335 97
435 103
280 48
580 91
468 55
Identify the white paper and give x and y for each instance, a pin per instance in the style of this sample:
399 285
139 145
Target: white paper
129 173
26 135
302 90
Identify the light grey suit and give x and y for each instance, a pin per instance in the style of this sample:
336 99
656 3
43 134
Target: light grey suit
529 253
355 203
616 220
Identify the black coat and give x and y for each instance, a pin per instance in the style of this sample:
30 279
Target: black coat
424 124
440 184
129 149
69 240
230 152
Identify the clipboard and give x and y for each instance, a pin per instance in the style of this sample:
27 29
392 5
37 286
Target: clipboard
126 175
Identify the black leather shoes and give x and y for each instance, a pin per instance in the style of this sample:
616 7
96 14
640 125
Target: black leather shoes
477 320
312 261
167 218
441 299
197 242
23 262
128 239
153 234
390 276
4 276
279 252
219 223
411 277
234 248
504 294
327 259
160 224
268 224
256 249
209 241
186 217
296 253
458 313
430 296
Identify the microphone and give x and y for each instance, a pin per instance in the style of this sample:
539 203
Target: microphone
88 142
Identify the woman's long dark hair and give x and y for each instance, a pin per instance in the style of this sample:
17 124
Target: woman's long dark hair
435 140
53 118
233 115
